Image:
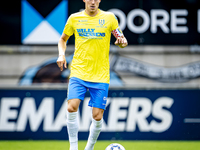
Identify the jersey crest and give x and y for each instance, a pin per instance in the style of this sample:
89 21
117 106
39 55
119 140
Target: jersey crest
101 22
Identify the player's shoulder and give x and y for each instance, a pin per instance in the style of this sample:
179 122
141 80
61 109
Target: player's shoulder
108 13
77 14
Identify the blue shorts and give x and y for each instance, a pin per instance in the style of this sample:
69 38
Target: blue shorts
98 92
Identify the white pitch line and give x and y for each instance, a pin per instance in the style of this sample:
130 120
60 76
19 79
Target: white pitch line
192 120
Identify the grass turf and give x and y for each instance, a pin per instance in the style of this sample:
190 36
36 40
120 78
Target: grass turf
100 145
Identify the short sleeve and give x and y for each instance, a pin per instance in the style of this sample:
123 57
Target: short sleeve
68 30
115 24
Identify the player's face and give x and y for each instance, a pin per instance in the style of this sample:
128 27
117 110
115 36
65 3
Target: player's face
92 6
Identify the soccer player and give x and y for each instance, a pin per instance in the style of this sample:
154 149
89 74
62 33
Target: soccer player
90 65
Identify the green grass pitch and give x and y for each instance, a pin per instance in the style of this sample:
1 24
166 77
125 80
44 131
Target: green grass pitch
100 145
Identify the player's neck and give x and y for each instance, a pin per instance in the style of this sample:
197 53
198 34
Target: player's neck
92 14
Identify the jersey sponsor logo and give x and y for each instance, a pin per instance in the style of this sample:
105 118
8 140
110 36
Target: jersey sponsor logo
90 33
83 21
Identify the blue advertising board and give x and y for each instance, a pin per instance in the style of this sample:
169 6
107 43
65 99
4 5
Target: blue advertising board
130 115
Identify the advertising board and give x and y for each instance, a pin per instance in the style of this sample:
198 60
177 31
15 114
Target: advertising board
152 22
129 115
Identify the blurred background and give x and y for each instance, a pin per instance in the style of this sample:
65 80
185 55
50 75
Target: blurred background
154 88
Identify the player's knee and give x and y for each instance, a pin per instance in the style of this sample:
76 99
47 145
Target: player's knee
97 116
73 105
71 108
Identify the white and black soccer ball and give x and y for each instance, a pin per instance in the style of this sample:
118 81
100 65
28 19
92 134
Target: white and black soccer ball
115 146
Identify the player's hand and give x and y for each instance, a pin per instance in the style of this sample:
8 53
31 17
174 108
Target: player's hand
121 42
61 61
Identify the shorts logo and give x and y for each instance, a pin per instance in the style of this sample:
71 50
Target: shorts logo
101 22
35 29
104 98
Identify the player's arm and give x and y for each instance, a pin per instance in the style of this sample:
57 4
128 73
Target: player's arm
121 41
61 50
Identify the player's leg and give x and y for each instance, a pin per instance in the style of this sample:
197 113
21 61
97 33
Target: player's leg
72 123
97 113
76 93
95 128
73 105
98 102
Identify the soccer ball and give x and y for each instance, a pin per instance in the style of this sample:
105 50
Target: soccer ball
115 146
